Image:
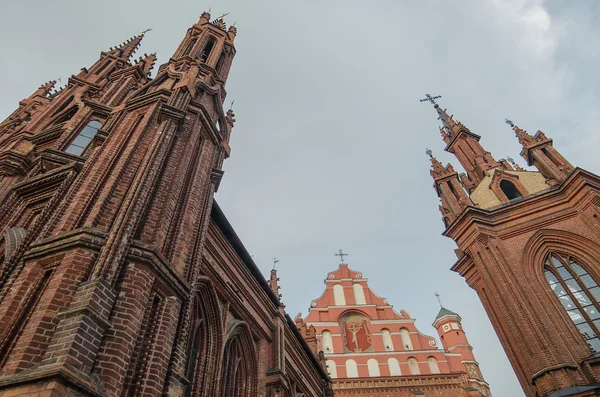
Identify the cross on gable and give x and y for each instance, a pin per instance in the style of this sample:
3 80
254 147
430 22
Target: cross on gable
341 255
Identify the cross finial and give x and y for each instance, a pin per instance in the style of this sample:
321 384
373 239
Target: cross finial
275 261
429 152
341 255
146 31
509 122
510 160
429 98
438 298
231 106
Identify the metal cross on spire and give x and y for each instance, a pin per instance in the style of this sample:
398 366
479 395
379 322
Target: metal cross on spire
429 98
275 261
509 122
438 298
429 152
146 31
341 255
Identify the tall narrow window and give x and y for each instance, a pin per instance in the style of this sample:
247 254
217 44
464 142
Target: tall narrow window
578 293
509 189
351 369
331 368
207 49
433 365
359 294
386 335
193 358
338 295
373 367
406 342
394 366
83 139
413 366
326 342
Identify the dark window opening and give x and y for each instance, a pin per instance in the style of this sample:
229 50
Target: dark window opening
220 63
207 49
509 189
63 106
451 188
67 116
83 139
193 358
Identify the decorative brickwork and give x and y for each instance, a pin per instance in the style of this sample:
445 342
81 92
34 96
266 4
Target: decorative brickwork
119 274
372 350
529 243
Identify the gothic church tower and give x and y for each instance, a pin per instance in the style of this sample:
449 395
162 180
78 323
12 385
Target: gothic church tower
107 284
529 244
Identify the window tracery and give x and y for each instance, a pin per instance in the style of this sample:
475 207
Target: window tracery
578 293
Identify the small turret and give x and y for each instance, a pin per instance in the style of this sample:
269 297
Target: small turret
448 188
539 152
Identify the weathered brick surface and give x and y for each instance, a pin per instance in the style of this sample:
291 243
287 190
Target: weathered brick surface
123 264
502 250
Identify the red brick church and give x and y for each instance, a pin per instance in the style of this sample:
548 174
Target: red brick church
529 244
119 273
372 350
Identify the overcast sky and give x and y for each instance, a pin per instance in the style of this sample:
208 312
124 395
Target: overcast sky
328 148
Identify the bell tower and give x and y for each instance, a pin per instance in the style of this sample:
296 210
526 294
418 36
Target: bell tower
528 242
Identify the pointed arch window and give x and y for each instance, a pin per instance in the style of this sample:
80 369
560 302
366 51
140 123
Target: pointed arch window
83 139
578 293
207 49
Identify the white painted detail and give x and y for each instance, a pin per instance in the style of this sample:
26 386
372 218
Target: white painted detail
326 342
394 367
359 294
331 368
351 369
373 366
413 366
406 342
433 365
338 295
387 340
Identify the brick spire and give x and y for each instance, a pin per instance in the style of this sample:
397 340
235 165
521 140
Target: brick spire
126 49
448 188
465 145
539 151
274 284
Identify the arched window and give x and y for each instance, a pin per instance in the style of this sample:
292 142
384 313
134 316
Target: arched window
433 365
386 335
413 366
394 366
331 368
509 189
373 366
351 369
359 294
406 342
193 356
207 49
83 139
338 295
236 373
578 293
326 342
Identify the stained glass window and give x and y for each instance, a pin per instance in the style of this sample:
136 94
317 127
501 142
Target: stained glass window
578 293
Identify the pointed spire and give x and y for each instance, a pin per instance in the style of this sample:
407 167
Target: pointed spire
437 168
126 49
274 281
524 138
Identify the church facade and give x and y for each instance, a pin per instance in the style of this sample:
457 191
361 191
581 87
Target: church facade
529 245
372 350
119 274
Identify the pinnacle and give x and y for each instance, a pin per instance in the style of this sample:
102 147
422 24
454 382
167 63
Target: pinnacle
146 62
125 50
